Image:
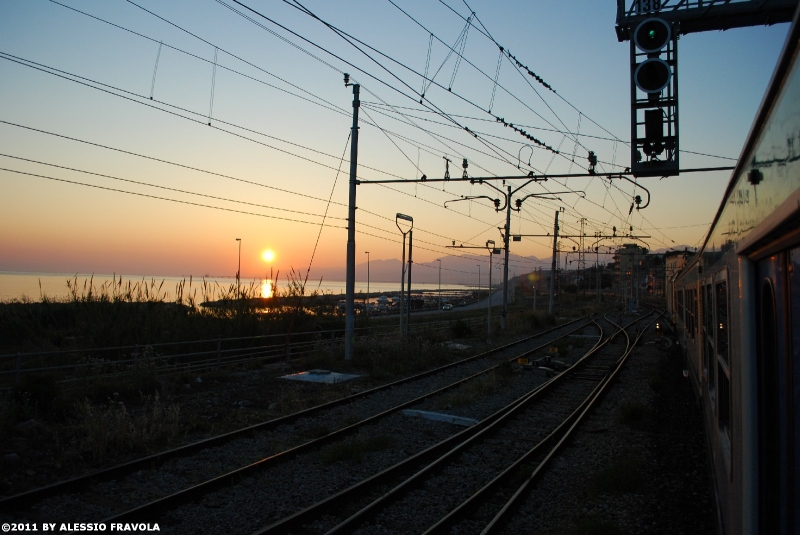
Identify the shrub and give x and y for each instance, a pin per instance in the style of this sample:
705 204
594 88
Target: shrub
461 329
110 427
37 391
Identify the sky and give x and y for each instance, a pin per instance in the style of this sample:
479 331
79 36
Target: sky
109 164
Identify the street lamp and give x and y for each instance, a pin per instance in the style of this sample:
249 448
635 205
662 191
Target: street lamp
239 270
440 284
479 280
410 220
366 303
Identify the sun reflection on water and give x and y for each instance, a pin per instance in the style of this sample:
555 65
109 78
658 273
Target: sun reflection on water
266 288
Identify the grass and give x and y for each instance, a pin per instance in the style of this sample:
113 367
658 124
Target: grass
119 312
111 428
354 449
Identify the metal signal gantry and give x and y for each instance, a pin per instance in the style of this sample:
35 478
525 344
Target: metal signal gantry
653 27
654 99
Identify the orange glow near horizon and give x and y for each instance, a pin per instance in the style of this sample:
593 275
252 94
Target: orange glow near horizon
266 288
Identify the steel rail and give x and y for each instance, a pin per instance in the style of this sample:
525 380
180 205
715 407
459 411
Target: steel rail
502 515
484 493
447 446
25 499
155 507
348 525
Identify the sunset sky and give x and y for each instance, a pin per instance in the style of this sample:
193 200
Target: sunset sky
267 166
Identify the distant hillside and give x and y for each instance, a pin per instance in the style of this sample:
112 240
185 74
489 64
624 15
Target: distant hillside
455 269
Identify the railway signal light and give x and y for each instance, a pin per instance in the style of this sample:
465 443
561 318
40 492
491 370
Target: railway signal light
654 102
652 35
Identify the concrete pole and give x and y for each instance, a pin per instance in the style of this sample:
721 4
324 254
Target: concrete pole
408 321
489 328
506 237
402 287
597 271
553 268
350 286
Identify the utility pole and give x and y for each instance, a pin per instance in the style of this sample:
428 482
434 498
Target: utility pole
408 311
504 313
491 252
440 284
403 289
553 269
366 302
506 230
350 285
409 220
582 258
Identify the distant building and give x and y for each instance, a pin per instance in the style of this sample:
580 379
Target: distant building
638 273
674 262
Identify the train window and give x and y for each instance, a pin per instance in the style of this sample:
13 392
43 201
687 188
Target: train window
769 409
722 320
707 340
724 409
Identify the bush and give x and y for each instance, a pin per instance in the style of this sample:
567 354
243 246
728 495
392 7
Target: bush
461 329
38 392
110 427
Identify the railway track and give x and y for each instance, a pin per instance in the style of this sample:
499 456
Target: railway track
470 481
163 481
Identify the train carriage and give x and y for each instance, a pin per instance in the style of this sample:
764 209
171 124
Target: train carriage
736 305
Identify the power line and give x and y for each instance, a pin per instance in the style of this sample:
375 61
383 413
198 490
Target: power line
322 102
106 188
164 187
223 130
220 175
263 27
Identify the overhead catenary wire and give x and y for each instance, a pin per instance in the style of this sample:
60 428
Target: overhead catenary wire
166 188
348 39
221 175
319 100
205 41
149 196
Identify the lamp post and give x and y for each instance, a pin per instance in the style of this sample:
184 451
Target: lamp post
366 303
440 284
239 270
491 247
506 230
410 219
479 280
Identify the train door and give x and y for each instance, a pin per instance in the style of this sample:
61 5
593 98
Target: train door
777 387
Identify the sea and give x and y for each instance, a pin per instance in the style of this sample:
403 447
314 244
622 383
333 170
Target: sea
34 286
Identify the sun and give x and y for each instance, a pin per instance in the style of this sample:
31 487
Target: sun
268 255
